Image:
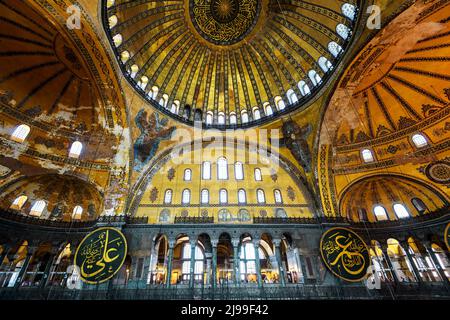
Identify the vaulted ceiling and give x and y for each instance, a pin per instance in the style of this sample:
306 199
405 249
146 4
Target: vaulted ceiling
42 76
223 57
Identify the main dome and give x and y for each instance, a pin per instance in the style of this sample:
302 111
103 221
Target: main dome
228 63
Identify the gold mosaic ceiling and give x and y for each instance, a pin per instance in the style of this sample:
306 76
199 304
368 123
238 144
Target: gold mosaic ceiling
42 76
222 57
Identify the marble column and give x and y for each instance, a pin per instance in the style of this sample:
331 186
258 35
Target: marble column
48 267
405 246
437 265
23 270
277 243
214 244
169 262
192 269
389 263
237 276
258 263
6 249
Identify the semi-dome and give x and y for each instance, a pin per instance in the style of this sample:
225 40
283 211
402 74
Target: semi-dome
228 63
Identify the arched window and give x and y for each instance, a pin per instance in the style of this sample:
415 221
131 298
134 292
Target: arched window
77 211
164 216
362 214
221 118
205 196
143 83
304 88
209 118
258 175
268 109
247 261
279 103
244 116
242 197
38 208
280 213
206 170
233 119
343 31
277 196
367 155
154 92
112 21
75 149
314 76
334 49
124 56
20 133
199 258
110 3
163 101
223 196
168 196
117 39
325 64
175 107
187 175
239 171
292 97
19 202
256 113
134 70
380 213
222 169
400 211
419 205
419 141
186 198
261 196
349 11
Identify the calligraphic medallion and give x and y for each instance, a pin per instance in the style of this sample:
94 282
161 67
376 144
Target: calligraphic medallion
224 22
447 236
345 254
101 254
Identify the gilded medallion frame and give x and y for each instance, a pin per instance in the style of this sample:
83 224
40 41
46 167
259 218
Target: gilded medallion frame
121 263
326 262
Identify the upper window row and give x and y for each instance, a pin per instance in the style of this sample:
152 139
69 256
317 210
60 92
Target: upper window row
418 140
38 207
223 196
21 133
222 171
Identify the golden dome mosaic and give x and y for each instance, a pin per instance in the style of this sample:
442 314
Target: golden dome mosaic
229 63
224 22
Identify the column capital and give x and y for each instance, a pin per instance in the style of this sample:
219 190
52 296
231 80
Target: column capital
427 244
171 243
193 242
256 242
235 242
214 242
276 242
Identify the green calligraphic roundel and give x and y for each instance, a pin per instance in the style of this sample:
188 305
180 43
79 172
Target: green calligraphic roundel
101 254
447 236
345 254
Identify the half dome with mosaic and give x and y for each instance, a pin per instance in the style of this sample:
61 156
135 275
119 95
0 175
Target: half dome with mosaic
273 62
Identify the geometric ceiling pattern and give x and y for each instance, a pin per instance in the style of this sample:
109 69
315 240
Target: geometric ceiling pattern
227 62
396 84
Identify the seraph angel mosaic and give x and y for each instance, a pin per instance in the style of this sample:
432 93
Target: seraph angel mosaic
153 131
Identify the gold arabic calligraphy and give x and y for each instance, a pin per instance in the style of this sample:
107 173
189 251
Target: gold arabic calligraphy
98 255
345 254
